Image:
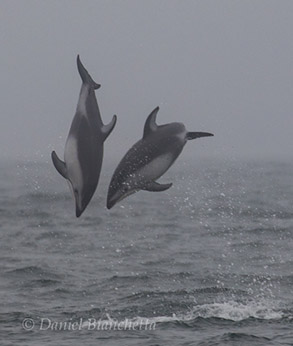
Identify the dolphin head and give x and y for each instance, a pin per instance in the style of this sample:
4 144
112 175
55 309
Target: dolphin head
82 198
117 192
79 203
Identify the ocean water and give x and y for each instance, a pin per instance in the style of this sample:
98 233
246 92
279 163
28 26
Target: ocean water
208 262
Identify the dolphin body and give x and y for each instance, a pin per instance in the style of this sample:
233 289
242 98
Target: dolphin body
149 159
85 144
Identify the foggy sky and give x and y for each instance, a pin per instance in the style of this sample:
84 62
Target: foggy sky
219 66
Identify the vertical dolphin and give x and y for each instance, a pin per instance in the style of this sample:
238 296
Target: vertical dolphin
149 159
85 144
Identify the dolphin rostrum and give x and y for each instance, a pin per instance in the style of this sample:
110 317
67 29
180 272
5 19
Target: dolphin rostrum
85 144
149 159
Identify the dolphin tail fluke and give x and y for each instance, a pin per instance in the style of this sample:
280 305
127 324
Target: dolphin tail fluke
193 135
59 165
85 76
154 186
107 129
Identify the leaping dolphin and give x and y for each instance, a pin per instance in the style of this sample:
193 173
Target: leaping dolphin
149 159
85 144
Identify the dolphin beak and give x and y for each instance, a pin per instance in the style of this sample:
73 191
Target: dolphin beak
204 134
117 197
78 211
193 135
110 203
79 208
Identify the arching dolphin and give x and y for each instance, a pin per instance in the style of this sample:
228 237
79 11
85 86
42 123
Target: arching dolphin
149 159
85 144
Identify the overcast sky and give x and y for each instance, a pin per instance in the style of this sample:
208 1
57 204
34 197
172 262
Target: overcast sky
220 66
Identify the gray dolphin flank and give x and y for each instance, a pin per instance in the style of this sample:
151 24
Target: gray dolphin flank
149 159
84 147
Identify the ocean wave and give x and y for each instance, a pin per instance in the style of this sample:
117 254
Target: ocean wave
183 292
230 310
237 337
236 311
30 272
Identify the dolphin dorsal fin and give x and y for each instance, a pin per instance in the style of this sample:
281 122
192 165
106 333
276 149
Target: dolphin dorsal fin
150 124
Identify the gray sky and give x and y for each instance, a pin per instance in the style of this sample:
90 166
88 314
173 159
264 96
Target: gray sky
220 66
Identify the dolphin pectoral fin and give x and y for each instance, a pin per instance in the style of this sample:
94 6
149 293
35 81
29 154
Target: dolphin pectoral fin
154 186
85 76
107 129
193 135
59 165
150 124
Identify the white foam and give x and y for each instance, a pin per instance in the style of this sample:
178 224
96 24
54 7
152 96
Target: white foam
238 311
230 310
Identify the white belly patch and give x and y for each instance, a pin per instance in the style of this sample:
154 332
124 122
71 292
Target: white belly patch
72 162
81 107
156 167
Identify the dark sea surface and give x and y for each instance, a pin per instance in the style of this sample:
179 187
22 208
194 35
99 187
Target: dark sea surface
208 262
